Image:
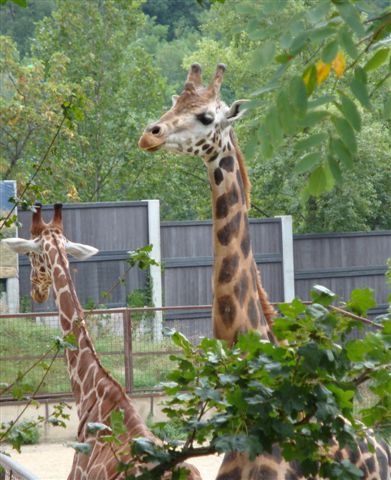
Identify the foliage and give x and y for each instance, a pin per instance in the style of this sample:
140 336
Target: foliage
21 432
176 14
308 65
316 139
25 433
18 23
299 394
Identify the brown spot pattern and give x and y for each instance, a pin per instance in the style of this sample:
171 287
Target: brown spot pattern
227 310
241 186
229 231
227 163
225 201
241 288
245 244
253 313
218 176
213 157
231 475
263 473
228 268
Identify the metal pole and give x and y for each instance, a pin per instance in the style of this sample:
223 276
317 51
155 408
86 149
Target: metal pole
128 357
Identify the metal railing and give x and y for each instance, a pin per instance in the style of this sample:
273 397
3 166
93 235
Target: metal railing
12 470
130 342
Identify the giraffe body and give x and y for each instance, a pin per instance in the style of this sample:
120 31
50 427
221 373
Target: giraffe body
200 124
95 391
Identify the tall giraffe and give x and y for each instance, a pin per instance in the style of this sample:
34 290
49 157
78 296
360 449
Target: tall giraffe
97 394
200 124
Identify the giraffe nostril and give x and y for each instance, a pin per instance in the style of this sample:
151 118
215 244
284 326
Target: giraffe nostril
156 130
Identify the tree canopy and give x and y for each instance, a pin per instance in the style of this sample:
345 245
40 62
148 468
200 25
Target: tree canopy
316 136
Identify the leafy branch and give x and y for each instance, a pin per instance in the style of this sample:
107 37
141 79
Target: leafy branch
299 395
19 391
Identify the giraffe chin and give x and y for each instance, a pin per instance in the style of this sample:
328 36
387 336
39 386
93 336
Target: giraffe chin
39 297
150 143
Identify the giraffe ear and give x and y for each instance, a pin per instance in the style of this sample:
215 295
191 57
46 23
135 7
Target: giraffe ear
236 110
22 246
79 250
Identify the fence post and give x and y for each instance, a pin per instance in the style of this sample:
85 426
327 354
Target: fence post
288 269
156 273
128 350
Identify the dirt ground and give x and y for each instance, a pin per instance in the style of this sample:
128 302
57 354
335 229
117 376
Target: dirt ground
52 461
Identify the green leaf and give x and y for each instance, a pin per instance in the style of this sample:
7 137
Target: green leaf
322 295
283 58
357 349
350 111
359 88
350 15
346 134
342 153
387 327
298 95
298 43
272 125
318 182
329 52
347 41
312 141
94 427
317 13
309 77
182 342
117 422
387 108
312 118
20 3
334 168
307 163
69 341
378 59
84 448
263 56
285 116
361 300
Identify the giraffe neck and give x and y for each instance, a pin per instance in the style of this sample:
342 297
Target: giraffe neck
96 392
236 298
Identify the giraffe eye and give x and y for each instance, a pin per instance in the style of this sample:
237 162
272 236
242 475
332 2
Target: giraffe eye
205 118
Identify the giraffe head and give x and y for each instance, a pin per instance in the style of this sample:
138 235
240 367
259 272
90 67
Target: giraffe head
46 244
198 123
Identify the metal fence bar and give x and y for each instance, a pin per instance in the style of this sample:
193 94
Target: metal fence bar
127 322
14 471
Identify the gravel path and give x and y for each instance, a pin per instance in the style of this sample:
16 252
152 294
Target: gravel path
52 461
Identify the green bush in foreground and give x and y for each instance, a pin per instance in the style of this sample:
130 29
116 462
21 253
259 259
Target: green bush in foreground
299 394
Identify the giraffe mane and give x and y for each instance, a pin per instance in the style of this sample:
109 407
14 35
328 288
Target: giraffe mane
242 169
268 309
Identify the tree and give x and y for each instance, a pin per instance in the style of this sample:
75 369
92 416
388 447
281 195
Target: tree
299 394
31 109
176 14
112 73
18 23
318 74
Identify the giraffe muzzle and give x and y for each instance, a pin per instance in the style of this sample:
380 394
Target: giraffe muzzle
150 142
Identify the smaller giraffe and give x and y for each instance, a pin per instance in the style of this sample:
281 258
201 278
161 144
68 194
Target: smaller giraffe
97 394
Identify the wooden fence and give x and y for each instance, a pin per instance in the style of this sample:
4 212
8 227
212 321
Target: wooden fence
289 264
